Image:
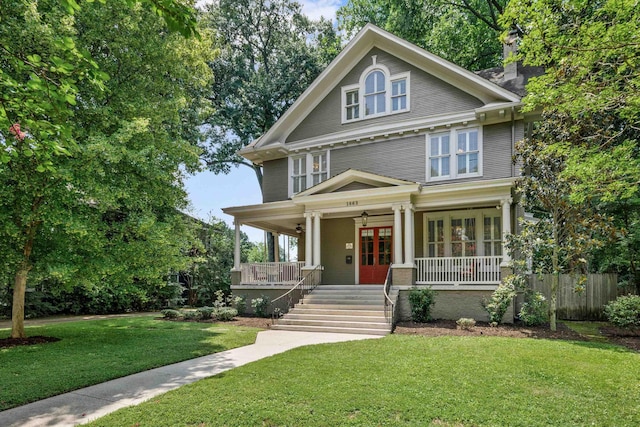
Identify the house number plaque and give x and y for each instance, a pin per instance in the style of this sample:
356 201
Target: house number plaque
352 203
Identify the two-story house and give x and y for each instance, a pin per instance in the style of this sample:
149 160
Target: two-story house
394 166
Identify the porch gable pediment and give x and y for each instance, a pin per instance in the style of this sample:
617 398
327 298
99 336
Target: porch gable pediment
352 180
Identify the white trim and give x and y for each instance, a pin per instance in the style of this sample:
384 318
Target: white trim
375 221
453 154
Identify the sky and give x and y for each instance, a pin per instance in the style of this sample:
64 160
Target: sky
209 193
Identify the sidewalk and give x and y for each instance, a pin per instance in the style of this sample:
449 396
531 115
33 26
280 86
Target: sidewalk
87 404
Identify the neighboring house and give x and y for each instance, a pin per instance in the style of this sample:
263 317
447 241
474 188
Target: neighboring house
393 158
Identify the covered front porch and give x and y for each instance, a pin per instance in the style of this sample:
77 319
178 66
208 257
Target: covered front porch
446 236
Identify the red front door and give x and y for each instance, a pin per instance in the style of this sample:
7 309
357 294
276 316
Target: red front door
375 254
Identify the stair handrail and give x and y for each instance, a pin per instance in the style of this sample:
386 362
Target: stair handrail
388 302
275 313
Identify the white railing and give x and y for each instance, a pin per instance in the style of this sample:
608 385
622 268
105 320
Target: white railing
271 273
479 270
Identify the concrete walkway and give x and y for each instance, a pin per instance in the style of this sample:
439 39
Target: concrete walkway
87 404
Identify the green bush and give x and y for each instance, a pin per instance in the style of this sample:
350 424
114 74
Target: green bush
466 323
240 304
534 310
261 306
498 304
624 311
191 315
225 314
170 314
206 312
421 300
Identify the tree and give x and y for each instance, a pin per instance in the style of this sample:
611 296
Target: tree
90 165
465 32
270 52
588 101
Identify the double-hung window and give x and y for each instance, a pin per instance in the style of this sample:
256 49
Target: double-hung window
375 94
467 152
454 154
307 170
439 156
399 95
352 104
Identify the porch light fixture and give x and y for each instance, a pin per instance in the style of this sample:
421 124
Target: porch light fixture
299 229
364 215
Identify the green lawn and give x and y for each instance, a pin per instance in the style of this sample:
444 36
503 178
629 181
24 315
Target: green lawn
410 380
91 352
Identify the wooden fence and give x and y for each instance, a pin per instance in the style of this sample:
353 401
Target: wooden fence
585 305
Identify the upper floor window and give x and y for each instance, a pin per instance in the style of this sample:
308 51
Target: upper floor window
454 154
307 170
378 92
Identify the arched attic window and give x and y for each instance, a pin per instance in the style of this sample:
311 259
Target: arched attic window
378 92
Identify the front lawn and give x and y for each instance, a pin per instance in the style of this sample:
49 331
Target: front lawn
411 380
92 352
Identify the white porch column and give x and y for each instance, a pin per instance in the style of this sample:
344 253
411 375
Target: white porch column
308 239
397 234
316 238
236 252
506 229
409 234
276 246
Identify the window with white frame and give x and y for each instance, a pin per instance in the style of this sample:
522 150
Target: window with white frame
454 154
463 233
308 170
378 92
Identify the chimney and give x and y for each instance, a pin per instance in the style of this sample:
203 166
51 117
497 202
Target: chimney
509 48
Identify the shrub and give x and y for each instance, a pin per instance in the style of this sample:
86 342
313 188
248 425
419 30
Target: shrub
624 311
466 323
498 304
206 312
261 306
421 300
534 310
191 315
170 314
240 304
225 314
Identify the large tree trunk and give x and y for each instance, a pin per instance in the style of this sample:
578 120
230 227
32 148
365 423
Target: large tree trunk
17 311
20 285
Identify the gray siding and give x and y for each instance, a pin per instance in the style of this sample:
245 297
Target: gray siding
355 186
335 233
429 96
497 151
402 158
275 176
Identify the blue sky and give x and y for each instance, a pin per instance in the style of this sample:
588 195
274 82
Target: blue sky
210 193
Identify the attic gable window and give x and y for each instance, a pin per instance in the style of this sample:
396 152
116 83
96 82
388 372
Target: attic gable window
378 92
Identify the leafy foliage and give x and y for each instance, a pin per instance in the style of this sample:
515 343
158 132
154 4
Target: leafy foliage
421 301
463 32
261 306
534 310
624 311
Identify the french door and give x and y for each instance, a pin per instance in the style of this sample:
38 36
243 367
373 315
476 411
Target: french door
375 254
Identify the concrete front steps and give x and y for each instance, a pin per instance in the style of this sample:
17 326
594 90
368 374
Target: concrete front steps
355 309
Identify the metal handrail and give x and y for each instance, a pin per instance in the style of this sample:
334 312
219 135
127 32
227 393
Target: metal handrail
304 290
388 303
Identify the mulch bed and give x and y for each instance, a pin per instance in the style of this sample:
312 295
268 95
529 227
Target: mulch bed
15 342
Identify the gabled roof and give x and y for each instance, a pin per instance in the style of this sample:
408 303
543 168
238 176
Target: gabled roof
350 176
369 37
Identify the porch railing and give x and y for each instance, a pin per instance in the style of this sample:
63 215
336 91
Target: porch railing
479 270
296 294
264 273
388 302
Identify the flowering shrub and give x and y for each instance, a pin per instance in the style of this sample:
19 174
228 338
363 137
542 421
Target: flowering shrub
261 306
624 311
498 304
224 314
535 310
240 304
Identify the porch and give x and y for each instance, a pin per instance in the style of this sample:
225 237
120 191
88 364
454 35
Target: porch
470 270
